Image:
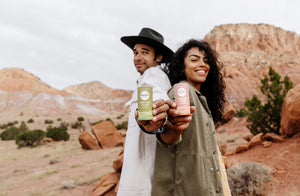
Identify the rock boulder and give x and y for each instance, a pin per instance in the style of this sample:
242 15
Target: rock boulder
87 141
107 134
290 115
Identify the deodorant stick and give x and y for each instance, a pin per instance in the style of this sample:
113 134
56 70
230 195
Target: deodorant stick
182 98
145 102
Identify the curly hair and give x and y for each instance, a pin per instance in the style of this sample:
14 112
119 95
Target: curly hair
213 88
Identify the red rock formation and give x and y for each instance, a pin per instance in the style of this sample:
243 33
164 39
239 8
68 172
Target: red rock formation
290 115
15 79
97 90
118 163
273 137
109 184
245 37
107 134
87 141
106 184
247 51
229 113
22 91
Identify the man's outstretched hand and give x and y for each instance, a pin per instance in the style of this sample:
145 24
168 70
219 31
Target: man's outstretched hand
159 110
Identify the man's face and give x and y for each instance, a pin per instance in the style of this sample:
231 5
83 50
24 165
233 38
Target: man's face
144 57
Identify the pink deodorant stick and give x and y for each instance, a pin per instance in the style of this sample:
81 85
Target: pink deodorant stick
182 98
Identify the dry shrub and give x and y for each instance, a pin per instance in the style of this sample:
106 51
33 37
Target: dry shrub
248 179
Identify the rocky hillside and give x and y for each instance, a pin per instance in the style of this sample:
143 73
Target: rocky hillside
97 90
245 37
248 50
15 79
21 91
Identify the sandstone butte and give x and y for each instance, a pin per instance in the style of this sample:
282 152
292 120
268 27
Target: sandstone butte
248 50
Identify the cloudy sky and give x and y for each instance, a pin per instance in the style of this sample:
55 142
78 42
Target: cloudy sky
68 42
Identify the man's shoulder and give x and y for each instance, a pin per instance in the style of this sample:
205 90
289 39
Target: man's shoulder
155 77
155 70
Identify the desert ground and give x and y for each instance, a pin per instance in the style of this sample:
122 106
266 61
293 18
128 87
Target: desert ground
64 168
56 168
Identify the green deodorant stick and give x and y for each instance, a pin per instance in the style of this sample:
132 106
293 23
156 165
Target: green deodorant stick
145 102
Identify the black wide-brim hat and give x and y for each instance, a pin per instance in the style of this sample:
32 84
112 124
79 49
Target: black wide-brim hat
152 38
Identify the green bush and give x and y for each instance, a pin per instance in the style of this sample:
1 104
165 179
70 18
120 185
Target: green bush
120 116
123 125
10 124
80 119
64 125
30 121
3 126
266 118
23 127
48 121
94 123
76 125
248 179
29 138
57 133
49 127
10 133
242 112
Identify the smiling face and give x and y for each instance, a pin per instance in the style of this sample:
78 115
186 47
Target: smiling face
144 57
196 67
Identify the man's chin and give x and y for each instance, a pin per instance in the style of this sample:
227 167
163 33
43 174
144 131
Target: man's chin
140 70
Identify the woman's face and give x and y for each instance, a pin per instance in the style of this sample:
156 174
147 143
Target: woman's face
196 67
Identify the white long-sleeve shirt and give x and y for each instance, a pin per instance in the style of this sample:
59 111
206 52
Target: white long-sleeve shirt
139 149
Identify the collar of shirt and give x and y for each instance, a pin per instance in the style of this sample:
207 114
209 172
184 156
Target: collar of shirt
141 77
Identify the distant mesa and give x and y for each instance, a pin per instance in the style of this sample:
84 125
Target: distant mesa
16 79
97 90
23 91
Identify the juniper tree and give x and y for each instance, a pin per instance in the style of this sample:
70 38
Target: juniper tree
266 118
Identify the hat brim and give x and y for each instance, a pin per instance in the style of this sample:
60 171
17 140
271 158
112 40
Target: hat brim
130 41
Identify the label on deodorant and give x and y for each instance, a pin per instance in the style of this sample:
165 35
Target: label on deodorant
182 98
145 102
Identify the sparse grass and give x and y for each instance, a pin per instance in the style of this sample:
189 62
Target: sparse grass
36 193
4 194
76 165
233 137
45 173
86 180
297 193
19 170
230 138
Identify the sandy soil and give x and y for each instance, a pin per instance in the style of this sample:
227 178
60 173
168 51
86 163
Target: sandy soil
42 170
283 159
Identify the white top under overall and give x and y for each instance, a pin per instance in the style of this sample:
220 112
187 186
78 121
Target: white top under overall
139 149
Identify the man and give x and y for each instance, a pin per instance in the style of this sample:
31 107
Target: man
149 52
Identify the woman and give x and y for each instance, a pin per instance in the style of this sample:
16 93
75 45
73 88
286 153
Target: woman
188 162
